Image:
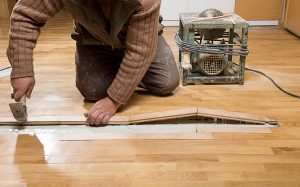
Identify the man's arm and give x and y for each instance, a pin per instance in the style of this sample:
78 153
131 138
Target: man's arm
141 45
27 18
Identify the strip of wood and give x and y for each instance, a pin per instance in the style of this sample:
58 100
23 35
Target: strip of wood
59 120
234 128
205 112
158 116
141 118
137 136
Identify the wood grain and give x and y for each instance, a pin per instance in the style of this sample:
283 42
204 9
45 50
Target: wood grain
228 159
147 117
259 10
139 136
292 16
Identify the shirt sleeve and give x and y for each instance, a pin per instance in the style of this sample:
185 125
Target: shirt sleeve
27 18
141 45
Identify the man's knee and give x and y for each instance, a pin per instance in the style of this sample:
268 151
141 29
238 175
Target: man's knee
165 86
162 76
91 91
166 89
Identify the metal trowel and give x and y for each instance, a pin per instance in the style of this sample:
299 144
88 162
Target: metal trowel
19 109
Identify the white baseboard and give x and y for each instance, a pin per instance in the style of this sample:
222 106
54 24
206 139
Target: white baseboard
173 23
264 23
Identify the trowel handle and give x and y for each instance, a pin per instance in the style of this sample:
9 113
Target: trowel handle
23 100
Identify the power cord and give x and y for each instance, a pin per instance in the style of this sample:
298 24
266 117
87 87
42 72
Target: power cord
274 83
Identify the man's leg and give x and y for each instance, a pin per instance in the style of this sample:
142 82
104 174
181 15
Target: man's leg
162 76
96 68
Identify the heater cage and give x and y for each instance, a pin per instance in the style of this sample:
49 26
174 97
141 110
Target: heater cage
230 44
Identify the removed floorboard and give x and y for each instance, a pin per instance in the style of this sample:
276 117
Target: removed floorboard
134 132
190 115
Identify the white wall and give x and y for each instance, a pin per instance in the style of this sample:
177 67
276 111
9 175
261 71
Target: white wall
170 9
225 6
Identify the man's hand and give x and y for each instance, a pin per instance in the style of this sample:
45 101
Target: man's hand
102 111
22 86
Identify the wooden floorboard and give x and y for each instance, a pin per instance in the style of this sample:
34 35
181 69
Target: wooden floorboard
197 114
232 158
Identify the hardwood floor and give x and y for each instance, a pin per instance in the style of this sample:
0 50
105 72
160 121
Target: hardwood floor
230 158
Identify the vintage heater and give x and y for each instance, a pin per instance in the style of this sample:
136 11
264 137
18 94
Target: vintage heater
209 43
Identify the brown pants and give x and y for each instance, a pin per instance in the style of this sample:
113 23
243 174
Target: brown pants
97 66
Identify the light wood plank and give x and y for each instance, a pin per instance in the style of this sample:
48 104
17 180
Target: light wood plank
259 158
139 136
234 128
96 167
230 149
142 118
292 16
230 167
259 10
157 116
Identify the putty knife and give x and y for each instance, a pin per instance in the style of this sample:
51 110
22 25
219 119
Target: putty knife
19 109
